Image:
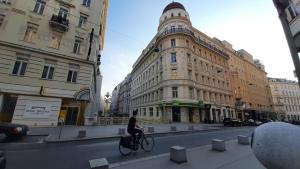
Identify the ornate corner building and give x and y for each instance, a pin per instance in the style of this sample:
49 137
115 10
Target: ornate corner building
184 75
49 60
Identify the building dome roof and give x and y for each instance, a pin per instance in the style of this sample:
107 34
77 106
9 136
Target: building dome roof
173 5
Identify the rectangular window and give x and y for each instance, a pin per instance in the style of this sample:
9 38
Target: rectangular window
191 92
30 34
144 109
172 28
180 27
188 58
48 72
86 3
291 12
73 73
151 111
55 40
39 7
5 2
1 19
175 92
77 45
20 67
157 112
82 21
173 43
190 74
173 57
63 13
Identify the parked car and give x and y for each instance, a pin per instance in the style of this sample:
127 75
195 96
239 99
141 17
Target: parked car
295 122
232 122
13 130
257 123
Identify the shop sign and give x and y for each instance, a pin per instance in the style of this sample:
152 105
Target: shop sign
37 109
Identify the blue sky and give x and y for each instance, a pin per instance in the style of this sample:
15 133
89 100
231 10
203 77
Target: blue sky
249 24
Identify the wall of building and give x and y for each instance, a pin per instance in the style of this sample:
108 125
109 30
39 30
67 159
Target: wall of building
27 34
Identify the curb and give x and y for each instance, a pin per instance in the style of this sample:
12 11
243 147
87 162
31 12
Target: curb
48 138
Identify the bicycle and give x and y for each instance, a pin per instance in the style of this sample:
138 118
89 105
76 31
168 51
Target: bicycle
127 145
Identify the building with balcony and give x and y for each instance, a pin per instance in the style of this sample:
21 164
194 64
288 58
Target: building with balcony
286 98
182 75
289 15
49 60
251 92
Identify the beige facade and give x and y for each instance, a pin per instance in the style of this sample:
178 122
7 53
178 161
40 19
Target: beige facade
249 84
286 98
45 59
182 75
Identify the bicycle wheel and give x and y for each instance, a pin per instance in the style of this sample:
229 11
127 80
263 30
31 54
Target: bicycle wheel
148 143
123 150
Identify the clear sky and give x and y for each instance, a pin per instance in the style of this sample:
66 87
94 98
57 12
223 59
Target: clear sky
249 24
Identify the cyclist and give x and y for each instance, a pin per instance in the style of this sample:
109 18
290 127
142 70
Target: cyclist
133 128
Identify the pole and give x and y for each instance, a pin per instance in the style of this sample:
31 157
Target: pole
289 37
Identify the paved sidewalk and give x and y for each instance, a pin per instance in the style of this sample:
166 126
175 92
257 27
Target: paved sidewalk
235 157
70 133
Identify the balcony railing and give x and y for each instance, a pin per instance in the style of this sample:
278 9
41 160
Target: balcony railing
59 22
197 39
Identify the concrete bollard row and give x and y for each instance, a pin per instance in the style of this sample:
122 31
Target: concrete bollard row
178 154
81 133
218 145
101 163
151 129
121 131
191 128
244 140
173 128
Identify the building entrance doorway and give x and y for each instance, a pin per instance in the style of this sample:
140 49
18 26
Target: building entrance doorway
191 114
176 114
7 108
72 115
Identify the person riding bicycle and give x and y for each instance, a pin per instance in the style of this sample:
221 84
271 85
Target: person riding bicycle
133 128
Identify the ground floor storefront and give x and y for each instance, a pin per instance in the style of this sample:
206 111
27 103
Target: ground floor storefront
186 112
43 111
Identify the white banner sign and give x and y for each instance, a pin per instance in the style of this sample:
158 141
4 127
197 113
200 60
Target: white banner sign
37 109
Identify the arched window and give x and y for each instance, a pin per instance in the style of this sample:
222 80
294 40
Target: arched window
179 14
172 14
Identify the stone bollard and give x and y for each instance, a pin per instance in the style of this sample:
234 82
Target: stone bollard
121 131
178 154
173 128
191 128
218 145
99 164
81 133
151 129
243 140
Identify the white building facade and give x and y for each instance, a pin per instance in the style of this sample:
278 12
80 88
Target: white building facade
49 60
286 98
182 75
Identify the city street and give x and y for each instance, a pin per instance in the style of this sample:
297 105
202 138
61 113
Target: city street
76 155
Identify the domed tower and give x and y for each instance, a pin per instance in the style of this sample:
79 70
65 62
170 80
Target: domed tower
174 15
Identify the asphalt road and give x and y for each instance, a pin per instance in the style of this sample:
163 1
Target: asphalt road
77 155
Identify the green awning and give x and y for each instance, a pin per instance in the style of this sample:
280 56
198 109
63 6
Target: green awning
177 103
